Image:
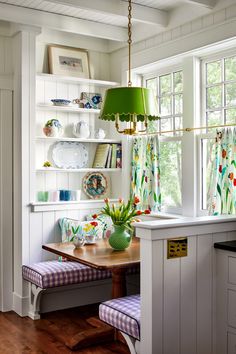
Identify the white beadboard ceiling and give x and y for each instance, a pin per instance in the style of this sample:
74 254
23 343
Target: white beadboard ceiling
106 18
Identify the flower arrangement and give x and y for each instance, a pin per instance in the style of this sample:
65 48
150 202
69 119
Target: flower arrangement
123 214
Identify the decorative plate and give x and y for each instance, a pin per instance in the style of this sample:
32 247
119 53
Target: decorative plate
67 154
95 184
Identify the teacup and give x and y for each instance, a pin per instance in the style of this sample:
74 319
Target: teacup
90 239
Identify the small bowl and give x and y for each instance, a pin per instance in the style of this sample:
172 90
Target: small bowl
60 102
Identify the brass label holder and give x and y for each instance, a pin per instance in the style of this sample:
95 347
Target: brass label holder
177 247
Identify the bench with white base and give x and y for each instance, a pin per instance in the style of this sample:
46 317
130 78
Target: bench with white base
52 274
124 314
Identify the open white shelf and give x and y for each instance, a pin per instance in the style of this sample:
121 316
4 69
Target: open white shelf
70 170
89 140
50 107
71 205
75 80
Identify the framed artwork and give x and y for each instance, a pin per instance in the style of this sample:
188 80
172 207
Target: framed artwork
68 61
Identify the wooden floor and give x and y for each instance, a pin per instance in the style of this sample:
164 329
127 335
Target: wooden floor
47 335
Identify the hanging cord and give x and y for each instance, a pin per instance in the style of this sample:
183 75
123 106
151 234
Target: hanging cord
129 40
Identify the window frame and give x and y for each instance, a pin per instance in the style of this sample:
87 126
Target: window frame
208 134
162 138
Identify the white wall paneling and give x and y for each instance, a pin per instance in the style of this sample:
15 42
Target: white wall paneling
6 215
24 113
178 296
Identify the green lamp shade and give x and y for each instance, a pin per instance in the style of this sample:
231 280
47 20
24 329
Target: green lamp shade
126 101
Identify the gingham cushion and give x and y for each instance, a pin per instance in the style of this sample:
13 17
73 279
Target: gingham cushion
51 274
123 313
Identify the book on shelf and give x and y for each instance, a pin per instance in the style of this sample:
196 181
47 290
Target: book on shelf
118 156
113 156
101 156
108 162
108 156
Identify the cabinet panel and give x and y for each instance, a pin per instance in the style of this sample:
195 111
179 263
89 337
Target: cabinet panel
232 308
231 343
232 270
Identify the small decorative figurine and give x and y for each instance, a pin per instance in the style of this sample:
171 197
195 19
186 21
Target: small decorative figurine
53 128
100 134
47 164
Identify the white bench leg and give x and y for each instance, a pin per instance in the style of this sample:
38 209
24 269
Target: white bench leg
35 295
132 343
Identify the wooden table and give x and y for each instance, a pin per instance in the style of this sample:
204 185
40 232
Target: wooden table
99 256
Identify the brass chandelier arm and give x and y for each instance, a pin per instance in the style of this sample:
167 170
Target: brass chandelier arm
192 129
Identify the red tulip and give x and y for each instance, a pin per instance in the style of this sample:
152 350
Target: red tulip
147 211
234 182
139 212
220 168
136 200
94 216
94 223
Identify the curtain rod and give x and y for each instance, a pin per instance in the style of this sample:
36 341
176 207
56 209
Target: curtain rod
190 129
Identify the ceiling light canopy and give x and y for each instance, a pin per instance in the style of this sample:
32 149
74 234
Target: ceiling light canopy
129 104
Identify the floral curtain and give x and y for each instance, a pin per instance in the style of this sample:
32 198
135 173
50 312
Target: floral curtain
223 174
145 178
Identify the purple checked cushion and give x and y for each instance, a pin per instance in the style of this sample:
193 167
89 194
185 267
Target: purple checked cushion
123 313
51 274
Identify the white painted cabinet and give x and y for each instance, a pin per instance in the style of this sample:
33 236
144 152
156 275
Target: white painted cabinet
226 301
52 86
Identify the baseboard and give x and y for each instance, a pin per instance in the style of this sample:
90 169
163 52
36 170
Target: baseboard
20 305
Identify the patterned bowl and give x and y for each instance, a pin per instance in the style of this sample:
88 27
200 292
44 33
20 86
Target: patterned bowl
60 102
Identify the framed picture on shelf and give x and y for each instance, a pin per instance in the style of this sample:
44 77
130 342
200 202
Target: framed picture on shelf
68 61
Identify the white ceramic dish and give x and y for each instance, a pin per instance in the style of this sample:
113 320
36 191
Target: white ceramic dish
71 155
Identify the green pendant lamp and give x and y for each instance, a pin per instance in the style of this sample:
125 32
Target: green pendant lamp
129 104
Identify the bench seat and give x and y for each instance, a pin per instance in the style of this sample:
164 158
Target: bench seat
51 274
123 313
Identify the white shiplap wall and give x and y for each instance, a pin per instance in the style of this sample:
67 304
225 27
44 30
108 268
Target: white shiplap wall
5 174
178 310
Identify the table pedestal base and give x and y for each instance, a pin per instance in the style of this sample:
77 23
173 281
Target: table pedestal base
101 333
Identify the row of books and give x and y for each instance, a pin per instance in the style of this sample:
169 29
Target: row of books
108 156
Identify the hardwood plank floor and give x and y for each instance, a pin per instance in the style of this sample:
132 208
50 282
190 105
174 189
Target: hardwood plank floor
48 335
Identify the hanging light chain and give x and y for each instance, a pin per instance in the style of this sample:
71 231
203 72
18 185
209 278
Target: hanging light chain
129 40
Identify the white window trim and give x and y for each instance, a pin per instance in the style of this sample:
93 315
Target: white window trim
204 60
155 74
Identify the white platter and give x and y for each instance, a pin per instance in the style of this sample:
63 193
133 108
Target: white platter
69 155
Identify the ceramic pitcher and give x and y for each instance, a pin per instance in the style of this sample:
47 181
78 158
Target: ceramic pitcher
81 130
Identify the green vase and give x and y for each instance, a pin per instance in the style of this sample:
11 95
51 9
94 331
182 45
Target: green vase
120 239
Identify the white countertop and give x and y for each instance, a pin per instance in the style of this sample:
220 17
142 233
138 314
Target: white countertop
184 221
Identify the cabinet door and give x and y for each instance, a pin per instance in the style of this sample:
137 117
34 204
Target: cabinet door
231 343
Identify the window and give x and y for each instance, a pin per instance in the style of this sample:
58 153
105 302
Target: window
219 107
220 91
168 89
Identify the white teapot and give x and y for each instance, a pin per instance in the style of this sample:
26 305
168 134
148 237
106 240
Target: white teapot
100 134
81 130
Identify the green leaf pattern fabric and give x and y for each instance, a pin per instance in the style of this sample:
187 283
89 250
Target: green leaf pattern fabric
145 176
223 175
